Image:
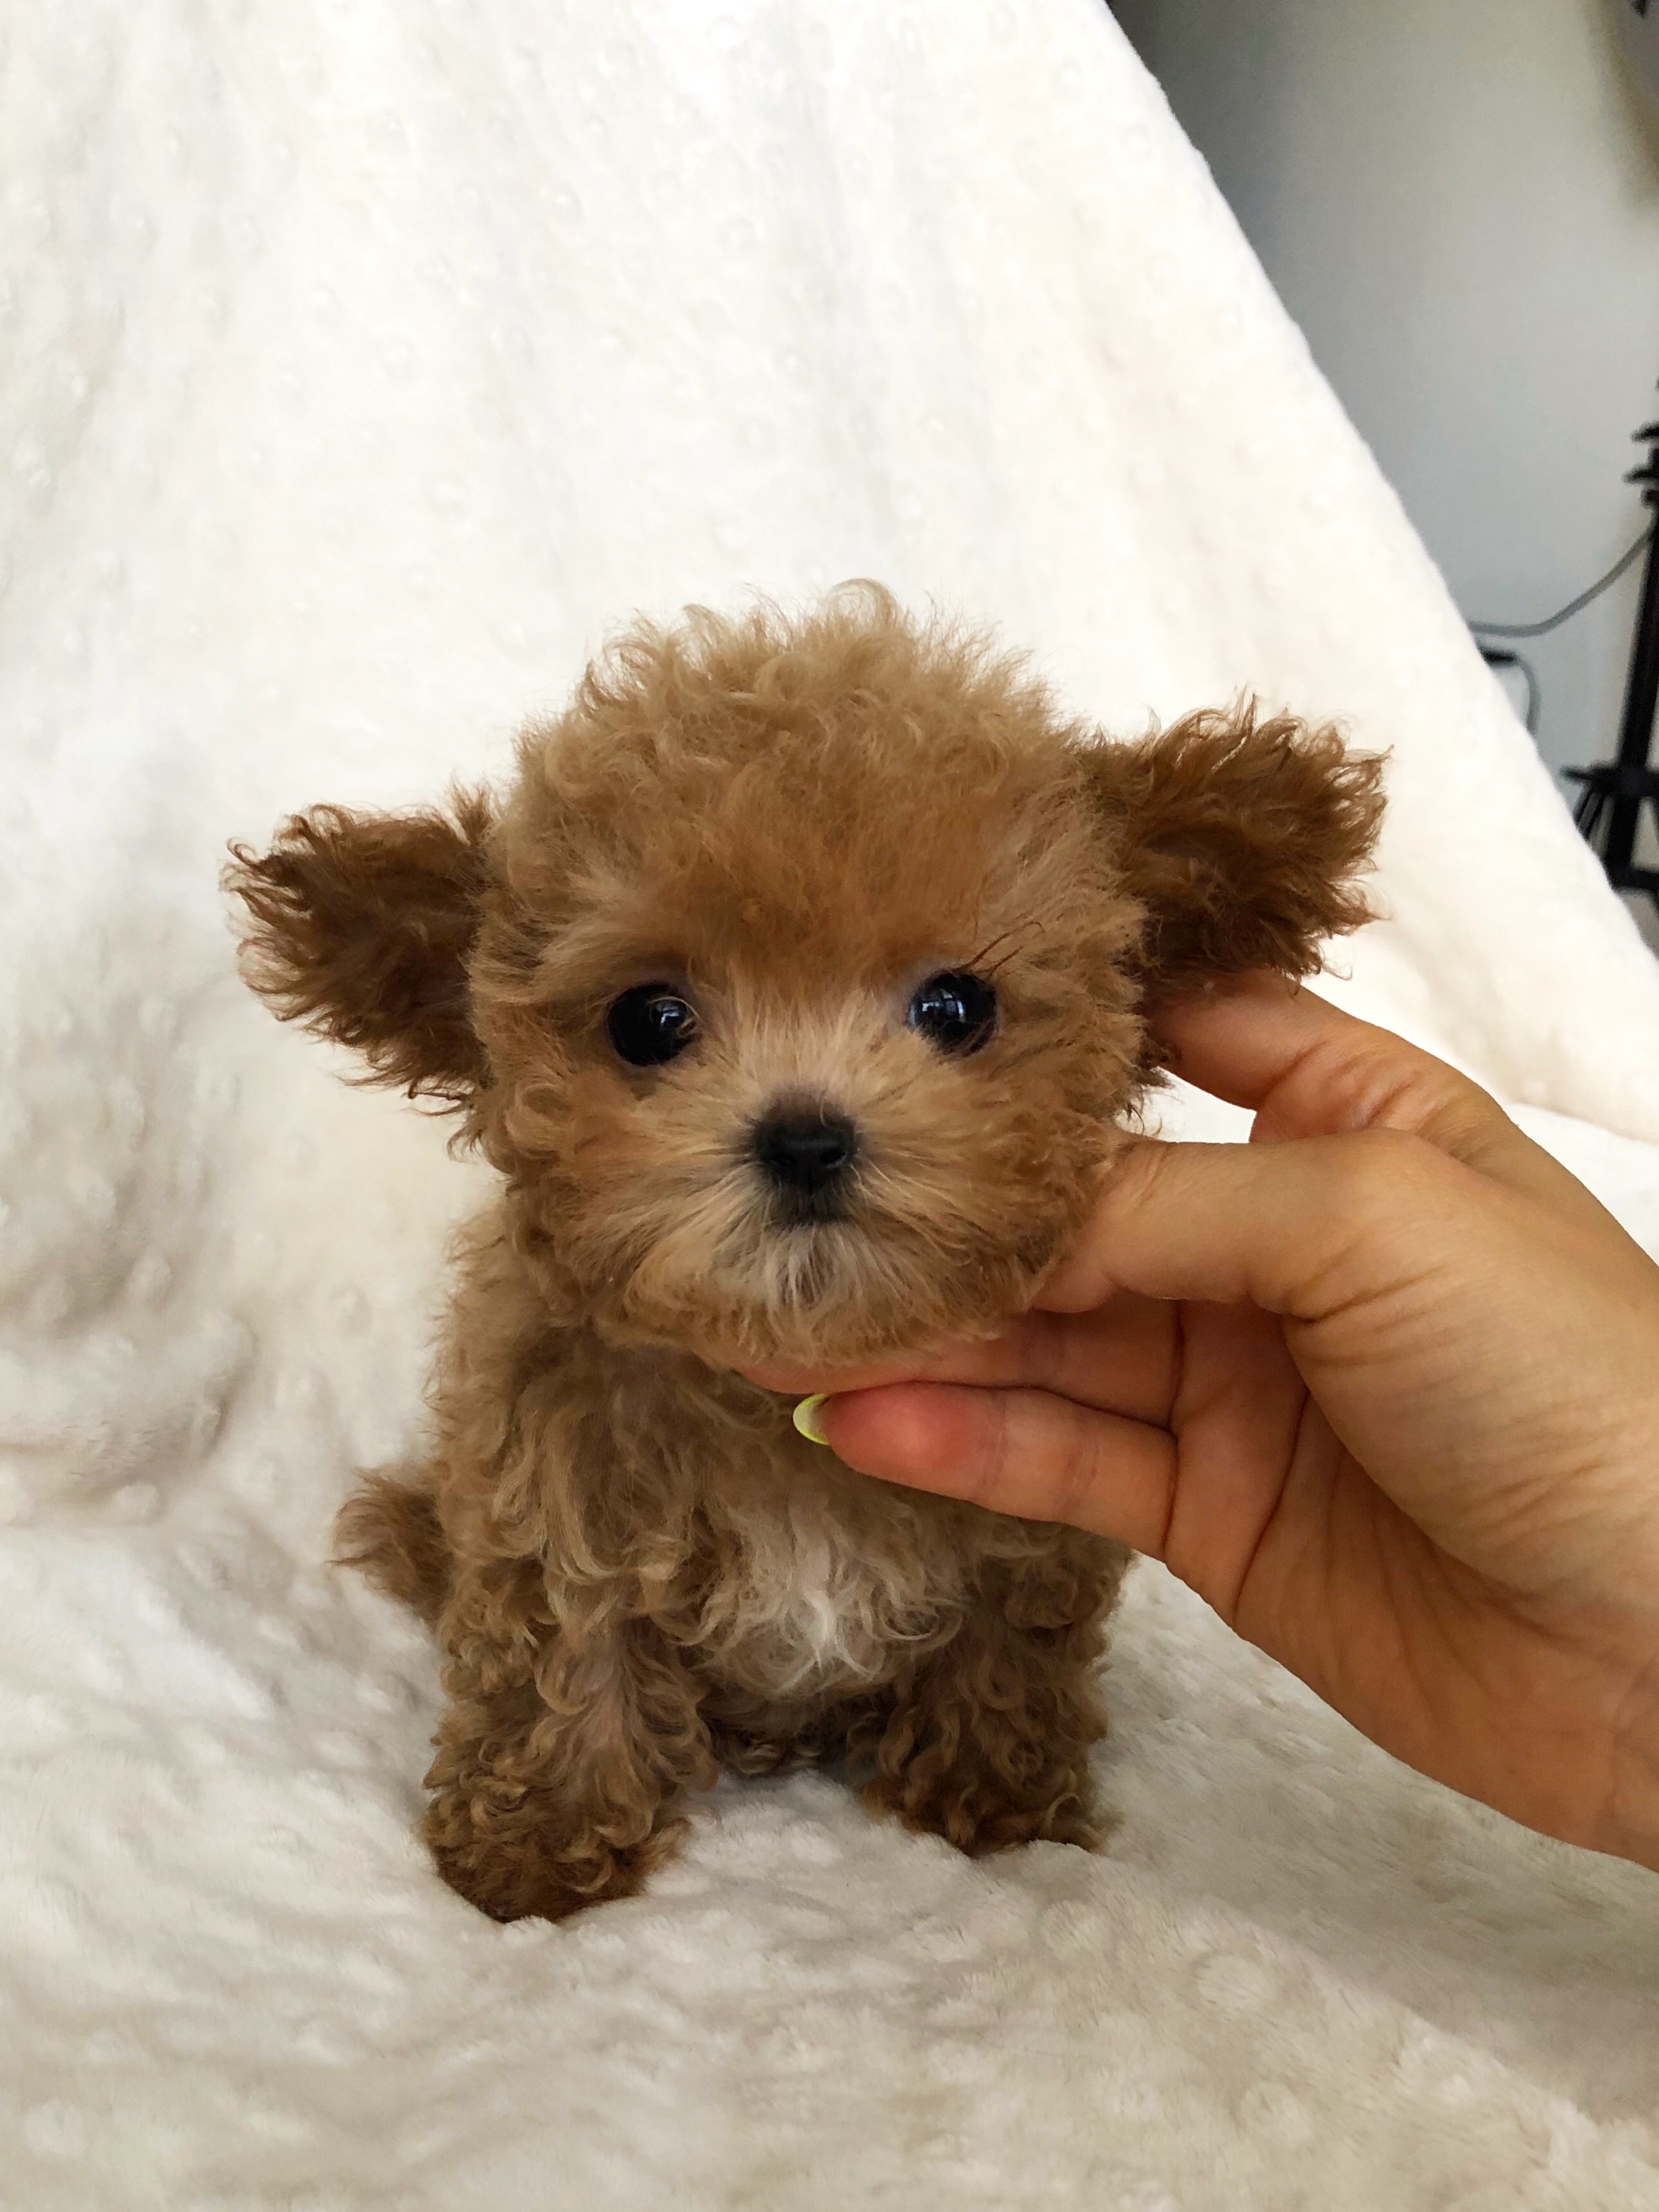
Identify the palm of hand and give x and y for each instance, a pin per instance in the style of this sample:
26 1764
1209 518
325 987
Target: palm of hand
1278 1526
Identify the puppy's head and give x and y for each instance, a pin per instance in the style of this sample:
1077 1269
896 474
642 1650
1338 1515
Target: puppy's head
798 985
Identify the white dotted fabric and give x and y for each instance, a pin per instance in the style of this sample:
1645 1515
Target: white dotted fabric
362 360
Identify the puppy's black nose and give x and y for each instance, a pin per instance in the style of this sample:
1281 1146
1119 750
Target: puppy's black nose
805 1150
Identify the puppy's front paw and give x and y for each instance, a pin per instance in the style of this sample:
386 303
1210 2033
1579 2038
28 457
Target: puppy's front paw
530 1871
979 1811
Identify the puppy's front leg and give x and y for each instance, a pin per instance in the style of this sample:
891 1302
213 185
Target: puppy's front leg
560 1759
988 1741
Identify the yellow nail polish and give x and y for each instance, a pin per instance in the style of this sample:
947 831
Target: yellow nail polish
806 1418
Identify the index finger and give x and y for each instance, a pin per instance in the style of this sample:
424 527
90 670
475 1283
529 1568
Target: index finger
1310 1070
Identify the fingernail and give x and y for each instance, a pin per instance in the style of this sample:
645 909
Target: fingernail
806 1418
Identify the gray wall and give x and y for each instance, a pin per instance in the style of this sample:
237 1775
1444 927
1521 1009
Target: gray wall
1459 202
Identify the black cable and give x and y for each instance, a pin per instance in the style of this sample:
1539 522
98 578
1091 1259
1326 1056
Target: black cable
1572 607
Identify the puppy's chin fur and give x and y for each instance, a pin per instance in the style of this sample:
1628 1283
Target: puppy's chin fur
829 1298
636 1570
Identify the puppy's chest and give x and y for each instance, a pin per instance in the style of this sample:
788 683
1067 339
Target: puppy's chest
806 1596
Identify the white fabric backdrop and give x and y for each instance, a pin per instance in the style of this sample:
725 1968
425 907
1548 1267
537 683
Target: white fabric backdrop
363 360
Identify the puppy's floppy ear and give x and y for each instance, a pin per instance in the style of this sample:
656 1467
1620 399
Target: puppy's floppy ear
360 926
1242 839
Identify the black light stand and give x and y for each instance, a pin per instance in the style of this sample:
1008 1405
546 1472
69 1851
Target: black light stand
1611 808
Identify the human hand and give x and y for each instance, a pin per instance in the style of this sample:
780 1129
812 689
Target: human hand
1382 1386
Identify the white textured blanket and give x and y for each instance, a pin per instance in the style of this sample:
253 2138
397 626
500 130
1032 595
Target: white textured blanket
362 360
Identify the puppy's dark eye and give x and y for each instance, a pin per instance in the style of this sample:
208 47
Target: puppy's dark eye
957 1012
650 1026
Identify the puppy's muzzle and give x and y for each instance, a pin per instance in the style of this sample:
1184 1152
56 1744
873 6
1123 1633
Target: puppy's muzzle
807 1155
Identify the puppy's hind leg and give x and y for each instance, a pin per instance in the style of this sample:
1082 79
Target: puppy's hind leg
390 1530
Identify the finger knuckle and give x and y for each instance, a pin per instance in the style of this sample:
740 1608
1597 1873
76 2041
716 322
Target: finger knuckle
1371 1079
1434 1101
1073 1471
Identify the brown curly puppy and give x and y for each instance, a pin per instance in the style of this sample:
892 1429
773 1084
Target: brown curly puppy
796 990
